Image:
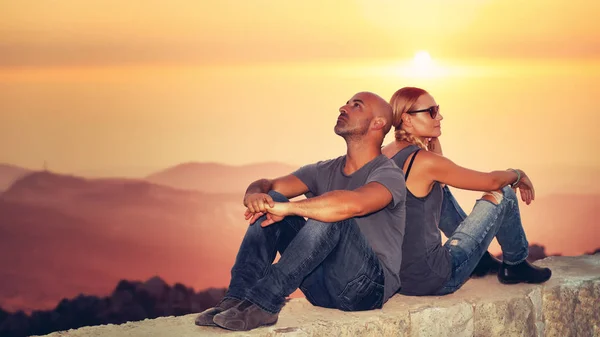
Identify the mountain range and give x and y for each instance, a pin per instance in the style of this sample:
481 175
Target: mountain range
218 178
62 235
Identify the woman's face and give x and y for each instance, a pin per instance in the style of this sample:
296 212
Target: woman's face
423 125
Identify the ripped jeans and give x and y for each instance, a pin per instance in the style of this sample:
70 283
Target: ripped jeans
470 236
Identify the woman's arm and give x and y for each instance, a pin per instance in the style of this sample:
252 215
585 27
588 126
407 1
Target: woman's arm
442 169
435 146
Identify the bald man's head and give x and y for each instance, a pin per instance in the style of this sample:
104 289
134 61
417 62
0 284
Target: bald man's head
381 109
365 110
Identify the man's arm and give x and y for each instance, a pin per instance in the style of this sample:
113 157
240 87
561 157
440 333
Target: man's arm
336 205
256 197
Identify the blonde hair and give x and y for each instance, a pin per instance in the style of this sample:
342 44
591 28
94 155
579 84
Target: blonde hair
401 102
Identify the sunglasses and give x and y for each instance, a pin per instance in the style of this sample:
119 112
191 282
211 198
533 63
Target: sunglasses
433 111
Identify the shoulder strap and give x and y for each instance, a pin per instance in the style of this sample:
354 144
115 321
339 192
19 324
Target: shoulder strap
410 164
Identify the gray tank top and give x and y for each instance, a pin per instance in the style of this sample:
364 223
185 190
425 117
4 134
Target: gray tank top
426 264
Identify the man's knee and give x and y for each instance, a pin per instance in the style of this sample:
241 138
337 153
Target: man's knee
315 228
278 197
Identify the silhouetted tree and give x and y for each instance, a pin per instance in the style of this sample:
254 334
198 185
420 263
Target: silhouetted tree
130 301
594 252
16 324
3 315
536 252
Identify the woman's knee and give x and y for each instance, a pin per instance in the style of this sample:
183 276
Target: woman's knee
505 194
495 197
509 193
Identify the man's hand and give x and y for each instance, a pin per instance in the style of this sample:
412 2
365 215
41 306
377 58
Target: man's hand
274 214
258 202
252 216
525 186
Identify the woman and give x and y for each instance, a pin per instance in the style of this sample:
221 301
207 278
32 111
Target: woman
428 267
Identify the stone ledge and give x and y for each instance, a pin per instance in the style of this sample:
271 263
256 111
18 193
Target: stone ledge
567 305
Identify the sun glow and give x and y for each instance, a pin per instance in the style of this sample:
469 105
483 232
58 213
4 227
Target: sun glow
423 65
422 59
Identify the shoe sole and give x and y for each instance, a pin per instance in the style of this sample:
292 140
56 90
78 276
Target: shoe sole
211 323
208 324
260 326
510 282
519 281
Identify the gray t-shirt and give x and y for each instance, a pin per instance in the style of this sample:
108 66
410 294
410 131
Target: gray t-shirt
384 229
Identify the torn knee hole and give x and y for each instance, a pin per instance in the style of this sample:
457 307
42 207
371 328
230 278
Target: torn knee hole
454 242
493 196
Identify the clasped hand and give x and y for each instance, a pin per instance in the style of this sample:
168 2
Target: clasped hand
259 204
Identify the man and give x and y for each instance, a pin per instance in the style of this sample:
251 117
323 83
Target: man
347 255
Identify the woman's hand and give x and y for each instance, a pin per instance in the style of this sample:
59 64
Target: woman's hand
526 189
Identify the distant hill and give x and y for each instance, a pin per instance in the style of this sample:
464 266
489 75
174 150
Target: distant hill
64 235
218 178
9 174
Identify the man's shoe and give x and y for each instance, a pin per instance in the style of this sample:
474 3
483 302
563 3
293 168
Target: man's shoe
245 316
523 272
488 264
206 317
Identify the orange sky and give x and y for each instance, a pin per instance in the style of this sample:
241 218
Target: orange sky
126 88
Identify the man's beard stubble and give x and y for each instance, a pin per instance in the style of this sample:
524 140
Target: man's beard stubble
351 134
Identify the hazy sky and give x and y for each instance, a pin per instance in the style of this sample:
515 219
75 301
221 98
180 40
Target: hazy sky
128 87
51 33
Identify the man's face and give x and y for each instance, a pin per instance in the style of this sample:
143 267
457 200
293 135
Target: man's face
355 117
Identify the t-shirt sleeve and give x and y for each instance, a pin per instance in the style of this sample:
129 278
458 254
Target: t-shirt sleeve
392 178
308 174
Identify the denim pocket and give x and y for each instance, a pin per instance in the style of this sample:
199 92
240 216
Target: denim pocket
362 293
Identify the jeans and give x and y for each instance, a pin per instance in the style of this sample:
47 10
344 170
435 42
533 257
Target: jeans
470 236
332 263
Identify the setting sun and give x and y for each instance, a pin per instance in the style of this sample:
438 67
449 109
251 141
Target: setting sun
423 65
422 59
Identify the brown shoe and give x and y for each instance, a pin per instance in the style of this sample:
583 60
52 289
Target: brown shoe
206 317
245 316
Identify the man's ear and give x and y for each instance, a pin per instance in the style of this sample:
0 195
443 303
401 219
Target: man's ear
378 123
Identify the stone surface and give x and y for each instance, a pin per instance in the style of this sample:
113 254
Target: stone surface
567 305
